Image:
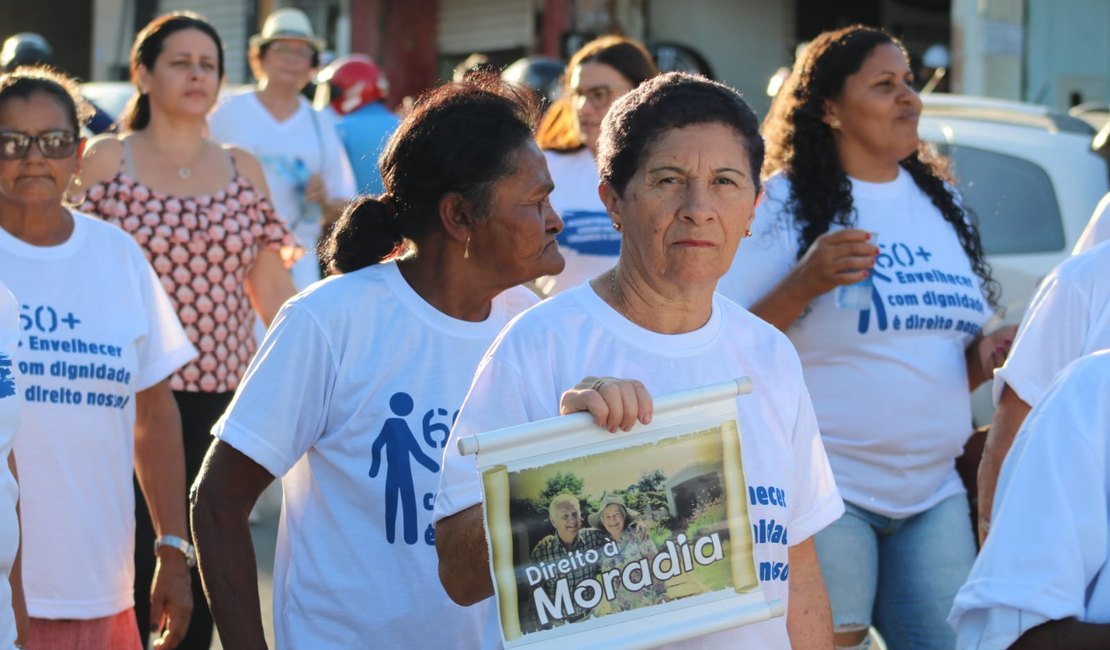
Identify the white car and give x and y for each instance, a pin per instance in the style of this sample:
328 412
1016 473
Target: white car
1030 178
1028 175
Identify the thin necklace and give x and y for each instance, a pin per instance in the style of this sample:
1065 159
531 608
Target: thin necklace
184 172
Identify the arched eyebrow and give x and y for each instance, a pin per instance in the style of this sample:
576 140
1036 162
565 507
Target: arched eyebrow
680 170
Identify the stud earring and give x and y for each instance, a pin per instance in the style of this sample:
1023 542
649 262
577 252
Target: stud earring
748 232
834 123
616 226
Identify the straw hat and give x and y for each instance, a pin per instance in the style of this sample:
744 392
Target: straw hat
287 24
608 500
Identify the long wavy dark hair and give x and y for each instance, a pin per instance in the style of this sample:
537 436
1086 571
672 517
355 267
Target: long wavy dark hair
801 145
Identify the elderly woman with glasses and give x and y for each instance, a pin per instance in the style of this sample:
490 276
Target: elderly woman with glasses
599 73
99 342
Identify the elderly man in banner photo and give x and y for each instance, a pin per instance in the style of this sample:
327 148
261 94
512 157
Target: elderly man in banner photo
679 160
567 545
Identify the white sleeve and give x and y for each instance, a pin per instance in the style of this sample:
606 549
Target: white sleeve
1052 334
1097 230
994 629
221 122
1048 537
498 398
339 176
165 347
817 501
763 259
280 410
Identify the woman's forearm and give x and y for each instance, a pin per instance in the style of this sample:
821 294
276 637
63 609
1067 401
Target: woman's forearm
15 576
1066 634
783 305
160 458
269 284
225 491
463 557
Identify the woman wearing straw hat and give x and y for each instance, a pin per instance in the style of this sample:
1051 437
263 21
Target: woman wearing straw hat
306 167
620 523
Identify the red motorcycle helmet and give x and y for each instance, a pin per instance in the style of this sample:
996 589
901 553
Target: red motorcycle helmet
349 83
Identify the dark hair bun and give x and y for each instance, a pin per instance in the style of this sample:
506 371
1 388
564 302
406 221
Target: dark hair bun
366 234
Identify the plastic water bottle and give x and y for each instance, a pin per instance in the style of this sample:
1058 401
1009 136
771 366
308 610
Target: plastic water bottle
857 296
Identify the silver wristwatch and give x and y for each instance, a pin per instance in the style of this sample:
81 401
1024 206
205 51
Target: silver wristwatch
173 541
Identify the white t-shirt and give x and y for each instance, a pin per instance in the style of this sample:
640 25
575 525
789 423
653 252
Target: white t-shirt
97 329
588 242
9 492
553 346
889 384
1098 228
1068 317
350 399
1046 554
306 143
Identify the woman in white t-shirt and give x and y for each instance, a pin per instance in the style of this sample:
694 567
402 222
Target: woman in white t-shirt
679 160
13 608
599 73
309 176
99 340
352 394
864 257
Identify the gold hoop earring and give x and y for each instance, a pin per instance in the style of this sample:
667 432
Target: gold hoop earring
466 249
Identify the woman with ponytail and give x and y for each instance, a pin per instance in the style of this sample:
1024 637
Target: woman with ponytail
353 392
862 253
200 212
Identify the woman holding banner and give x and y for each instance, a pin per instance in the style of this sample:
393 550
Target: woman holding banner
352 393
679 158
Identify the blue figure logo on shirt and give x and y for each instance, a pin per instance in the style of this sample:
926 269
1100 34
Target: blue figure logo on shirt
7 382
399 443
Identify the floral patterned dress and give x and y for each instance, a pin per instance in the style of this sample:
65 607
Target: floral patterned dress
202 249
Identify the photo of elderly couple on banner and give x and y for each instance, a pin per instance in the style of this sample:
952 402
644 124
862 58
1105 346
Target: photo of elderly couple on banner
624 539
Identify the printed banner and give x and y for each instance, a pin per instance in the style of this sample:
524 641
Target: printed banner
621 540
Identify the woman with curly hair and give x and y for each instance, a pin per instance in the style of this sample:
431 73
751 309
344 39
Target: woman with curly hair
865 257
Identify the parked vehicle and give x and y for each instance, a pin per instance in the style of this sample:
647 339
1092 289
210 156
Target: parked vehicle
1031 178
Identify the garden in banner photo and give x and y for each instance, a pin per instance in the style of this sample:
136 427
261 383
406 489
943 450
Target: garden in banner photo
644 525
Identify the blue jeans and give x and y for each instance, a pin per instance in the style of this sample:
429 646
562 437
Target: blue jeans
900 575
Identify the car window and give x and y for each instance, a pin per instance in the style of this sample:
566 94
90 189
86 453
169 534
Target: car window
1012 200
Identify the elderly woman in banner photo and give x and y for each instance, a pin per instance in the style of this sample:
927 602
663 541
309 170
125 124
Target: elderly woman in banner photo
633 543
100 340
679 158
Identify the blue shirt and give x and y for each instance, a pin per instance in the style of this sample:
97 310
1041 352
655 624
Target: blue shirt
364 134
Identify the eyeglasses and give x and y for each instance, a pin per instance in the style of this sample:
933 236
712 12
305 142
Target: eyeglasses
292 51
53 144
597 96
